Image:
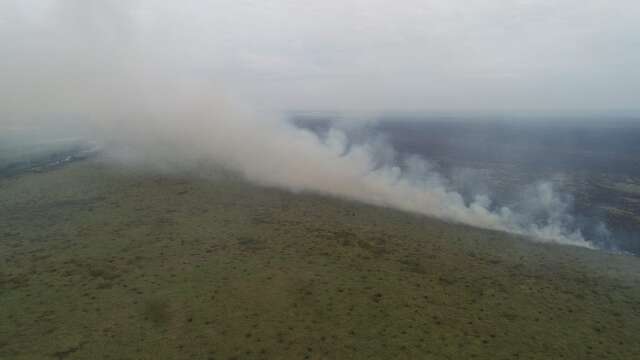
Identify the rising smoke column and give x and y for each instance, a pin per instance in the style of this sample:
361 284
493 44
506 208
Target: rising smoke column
90 65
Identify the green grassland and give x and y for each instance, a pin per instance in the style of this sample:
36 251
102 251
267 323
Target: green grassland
103 262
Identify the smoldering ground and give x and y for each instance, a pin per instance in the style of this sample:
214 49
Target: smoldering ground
88 68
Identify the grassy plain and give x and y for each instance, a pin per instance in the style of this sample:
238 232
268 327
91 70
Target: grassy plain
99 262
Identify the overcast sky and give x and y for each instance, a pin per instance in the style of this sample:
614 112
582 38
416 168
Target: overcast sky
443 55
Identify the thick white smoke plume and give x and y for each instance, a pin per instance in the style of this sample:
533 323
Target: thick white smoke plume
88 67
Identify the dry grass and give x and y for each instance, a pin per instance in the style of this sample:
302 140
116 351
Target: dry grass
99 262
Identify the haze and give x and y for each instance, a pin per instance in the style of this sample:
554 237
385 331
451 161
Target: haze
438 55
350 179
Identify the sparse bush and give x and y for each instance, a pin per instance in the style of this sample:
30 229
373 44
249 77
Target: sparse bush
157 311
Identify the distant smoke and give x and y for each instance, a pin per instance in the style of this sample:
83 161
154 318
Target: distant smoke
120 90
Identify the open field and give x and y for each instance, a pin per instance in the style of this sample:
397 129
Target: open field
113 263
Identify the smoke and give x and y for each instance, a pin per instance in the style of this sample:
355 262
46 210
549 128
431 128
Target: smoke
89 68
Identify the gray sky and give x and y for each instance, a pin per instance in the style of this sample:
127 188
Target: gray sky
451 55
